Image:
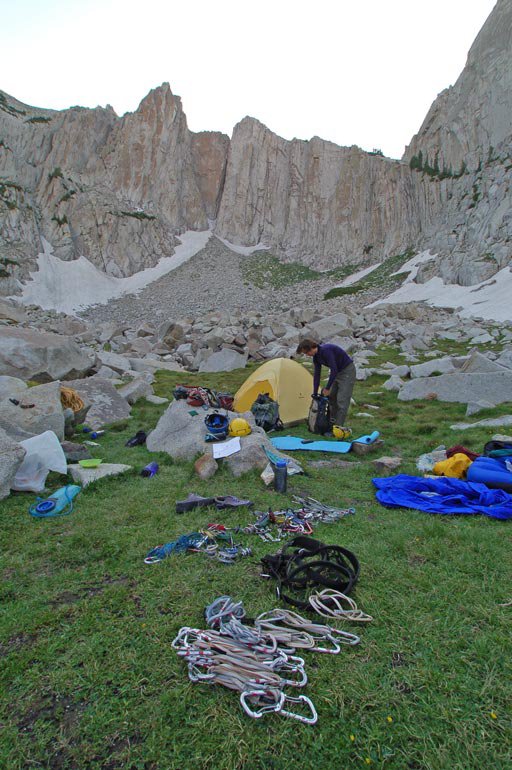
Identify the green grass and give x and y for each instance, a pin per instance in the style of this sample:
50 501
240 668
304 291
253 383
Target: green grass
263 270
89 679
381 277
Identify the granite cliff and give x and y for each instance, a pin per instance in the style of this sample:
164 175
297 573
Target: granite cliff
118 190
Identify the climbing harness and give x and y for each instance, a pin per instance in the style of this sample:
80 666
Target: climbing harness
305 566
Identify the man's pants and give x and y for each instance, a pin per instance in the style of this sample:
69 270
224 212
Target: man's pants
341 393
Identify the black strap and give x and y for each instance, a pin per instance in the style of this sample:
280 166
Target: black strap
305 565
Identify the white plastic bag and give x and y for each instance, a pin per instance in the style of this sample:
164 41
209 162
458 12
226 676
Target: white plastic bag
31 475
43 454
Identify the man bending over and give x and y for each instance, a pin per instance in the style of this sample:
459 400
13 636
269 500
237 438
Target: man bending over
342 375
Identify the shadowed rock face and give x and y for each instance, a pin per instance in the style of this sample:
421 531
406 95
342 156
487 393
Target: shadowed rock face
118 190
315 201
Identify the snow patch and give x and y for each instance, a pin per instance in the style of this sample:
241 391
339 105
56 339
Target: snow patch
412 266
489 299
355 277
71 286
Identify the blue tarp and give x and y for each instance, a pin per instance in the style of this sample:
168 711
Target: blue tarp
443 495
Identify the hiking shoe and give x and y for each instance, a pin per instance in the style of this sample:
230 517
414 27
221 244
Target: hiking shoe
193 501
137 440
229 501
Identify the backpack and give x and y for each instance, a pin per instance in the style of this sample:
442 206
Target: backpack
225 401
319 415
266 413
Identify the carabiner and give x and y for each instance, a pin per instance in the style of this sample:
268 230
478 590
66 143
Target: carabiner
293 669
300 699
334 650
270 708
344 637
153 559
181 640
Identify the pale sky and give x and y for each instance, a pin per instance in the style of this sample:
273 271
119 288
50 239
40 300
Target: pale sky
362 72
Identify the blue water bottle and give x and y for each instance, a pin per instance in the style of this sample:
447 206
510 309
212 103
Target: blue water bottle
149 470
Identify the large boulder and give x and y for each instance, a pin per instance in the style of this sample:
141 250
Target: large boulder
11 387
461 387
14 431
224 361
154 365
10 312
40 356
332 326
491 422
443 365
252 454
137 388
479 363
394 384
11 457
114 361
182 435
505 358
39 410
106 405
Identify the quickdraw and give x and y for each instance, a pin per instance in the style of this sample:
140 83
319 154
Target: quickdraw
253 659
215 659
214 543
276 619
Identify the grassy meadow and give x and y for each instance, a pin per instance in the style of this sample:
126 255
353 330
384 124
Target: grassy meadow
88 677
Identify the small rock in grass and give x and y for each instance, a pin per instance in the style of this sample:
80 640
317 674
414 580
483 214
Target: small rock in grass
157 400
360 449
206 466
387 463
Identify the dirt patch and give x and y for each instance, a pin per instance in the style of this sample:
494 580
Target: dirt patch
403 688
139 609
68 597
107 580
16 643
121 746
415 560
52 708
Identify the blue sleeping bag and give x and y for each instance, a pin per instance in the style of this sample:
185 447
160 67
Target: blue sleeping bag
443 495
491 471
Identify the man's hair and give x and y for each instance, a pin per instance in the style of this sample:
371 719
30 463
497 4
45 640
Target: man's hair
306 345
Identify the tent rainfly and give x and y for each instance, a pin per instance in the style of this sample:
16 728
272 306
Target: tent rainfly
286 381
